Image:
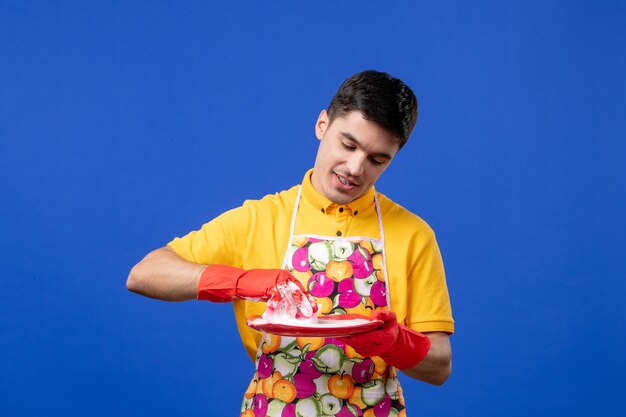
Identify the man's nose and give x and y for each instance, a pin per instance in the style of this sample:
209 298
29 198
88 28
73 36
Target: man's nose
356 164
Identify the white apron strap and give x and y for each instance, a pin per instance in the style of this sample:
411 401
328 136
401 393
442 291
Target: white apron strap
382 240
292 227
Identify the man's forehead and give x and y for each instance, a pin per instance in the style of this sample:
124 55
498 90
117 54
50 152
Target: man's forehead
354 115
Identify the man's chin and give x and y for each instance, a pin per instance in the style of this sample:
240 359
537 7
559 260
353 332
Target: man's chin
343 197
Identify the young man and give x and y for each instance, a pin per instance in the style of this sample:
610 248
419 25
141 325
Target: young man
351 247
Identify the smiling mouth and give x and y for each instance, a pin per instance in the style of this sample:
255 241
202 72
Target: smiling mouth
345 182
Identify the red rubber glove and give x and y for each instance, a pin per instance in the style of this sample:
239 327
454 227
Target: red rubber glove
221 283
395 343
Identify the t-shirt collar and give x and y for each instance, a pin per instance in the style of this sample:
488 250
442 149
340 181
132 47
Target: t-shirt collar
320 201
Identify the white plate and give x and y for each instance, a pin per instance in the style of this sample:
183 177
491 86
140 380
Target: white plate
326 326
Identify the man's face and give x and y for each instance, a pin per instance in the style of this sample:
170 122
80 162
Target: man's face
353 152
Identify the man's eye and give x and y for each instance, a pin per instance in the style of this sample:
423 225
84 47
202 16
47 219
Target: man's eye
348 146
376 161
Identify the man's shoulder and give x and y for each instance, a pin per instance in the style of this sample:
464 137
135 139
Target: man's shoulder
262 212
398 216
280 200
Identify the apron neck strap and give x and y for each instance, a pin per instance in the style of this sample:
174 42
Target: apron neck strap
295 212
380 218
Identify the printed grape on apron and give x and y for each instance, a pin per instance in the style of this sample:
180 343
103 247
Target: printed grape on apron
316 376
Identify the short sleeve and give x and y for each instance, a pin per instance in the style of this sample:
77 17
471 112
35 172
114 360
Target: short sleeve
220 241
418 291
428 301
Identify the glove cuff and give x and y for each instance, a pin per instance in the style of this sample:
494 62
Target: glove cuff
218 283
408 350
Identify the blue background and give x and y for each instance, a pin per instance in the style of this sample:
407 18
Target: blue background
126 123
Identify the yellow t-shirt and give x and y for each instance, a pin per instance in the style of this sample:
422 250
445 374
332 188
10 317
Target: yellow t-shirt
256 235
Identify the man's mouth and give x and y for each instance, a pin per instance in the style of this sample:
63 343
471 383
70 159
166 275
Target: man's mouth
345 182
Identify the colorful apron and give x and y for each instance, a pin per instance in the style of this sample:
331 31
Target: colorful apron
316 376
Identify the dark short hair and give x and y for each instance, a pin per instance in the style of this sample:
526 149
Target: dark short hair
381 99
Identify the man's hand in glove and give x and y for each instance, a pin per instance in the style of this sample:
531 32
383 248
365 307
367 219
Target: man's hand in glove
396 344
221 283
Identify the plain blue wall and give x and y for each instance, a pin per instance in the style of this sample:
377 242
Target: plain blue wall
126 123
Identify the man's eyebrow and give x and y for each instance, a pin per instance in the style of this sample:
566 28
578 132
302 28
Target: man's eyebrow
349 136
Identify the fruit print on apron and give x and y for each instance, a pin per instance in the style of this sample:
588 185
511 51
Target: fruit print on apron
316 376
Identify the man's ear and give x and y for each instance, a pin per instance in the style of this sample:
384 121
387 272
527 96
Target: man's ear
322 124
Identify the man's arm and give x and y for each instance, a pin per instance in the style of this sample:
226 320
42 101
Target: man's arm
164 275
435 368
